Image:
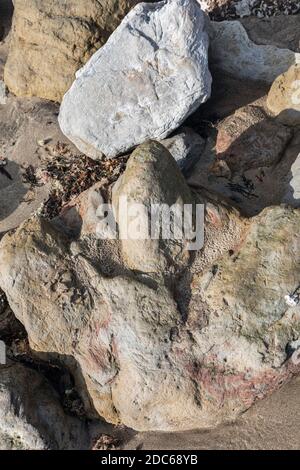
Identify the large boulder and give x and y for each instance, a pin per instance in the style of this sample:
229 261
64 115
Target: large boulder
51 40
280 30
284 96
31 416
178 351
150 75
233 51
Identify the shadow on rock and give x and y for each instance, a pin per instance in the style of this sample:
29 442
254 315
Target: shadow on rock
253 161
6 13
12 189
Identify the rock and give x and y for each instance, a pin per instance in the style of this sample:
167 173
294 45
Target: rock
257 173
186 147
228 95
3 302
150 75
243 8
244 59
281 31
292 195
3 98
70 32
284 97
10 327
191 353
225 9
31 417
250 139
151 177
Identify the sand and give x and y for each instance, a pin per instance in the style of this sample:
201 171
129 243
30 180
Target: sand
273 423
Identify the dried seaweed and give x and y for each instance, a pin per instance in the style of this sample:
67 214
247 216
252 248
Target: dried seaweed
70 174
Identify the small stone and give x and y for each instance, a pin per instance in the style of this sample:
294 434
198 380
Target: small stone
3 96
3 162
186 147
43 142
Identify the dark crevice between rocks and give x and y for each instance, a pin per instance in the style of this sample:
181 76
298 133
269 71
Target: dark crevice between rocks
6 13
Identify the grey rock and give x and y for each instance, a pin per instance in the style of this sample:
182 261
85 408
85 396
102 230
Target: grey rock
281 31
234 52
150 75
31 417
3 97
186 147
292 195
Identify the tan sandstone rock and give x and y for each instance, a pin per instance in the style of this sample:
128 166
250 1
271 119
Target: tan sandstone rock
284 97
181 355
151 177
51 40
250 139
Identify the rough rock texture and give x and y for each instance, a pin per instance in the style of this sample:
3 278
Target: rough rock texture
271 424
249 139
284 97
292 195
234 52
186 147
188 354
31 417
151 74
3 97
151 177
280 31
51 40
248 159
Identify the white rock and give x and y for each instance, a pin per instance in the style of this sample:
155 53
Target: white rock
233 52
292 195
151 74
3 97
